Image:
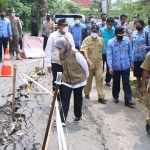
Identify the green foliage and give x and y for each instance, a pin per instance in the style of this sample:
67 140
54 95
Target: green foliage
95 5
130 7
72 7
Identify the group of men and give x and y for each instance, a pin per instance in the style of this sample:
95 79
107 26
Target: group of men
99 42
11 31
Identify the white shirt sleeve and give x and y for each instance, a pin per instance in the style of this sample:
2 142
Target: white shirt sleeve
81 60
48 51
71 40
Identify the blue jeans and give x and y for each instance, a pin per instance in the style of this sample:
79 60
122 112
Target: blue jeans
126 84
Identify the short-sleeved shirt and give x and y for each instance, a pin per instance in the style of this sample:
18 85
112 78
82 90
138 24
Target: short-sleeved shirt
94 49
127 29
146 64
107 35
132 26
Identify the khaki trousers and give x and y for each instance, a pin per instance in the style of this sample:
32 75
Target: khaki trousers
98 73
14 45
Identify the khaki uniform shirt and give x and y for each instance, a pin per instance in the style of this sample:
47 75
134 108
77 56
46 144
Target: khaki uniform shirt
132 26
94 50
15 26
127 29
47 28
146 66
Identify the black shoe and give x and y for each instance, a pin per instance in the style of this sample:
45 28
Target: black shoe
148 129
102 100
1 60
129 104
77 119
107 83
87 96
116 100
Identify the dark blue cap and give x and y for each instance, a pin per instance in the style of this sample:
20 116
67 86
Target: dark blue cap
62 21
95 27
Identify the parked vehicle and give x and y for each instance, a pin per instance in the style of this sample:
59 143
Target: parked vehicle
69 18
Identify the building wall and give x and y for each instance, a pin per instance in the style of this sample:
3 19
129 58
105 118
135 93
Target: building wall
83 3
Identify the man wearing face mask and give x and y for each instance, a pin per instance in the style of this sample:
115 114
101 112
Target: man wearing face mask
16 34
147 28
52 53
5 33
132 24
92 47
86 31
107 33
47 28
120 60
102 22
76 31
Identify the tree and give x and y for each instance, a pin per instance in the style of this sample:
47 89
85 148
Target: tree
95 5
72 7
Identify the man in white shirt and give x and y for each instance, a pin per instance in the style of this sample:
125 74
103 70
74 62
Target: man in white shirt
52 53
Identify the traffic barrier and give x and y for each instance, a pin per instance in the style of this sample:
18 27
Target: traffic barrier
32 47
6 70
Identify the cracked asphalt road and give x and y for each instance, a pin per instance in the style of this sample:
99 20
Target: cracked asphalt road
103 127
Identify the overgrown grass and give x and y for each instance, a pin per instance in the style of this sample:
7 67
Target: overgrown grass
136 93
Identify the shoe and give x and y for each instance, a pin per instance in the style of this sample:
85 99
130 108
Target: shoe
1 60
77 119
102 100
63 124
87 96
129 104
11 56
116 100
107 83
18 57
148 129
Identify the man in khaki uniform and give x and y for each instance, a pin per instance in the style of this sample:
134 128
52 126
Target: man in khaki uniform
92 47
132 24
146 69
48 27
16 34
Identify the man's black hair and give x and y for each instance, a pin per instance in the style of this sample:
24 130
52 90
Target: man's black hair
136 14
141 22
103 14
123 15
110 19
33 16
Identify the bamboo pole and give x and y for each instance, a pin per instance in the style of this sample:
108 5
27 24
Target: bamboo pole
49 124
13 92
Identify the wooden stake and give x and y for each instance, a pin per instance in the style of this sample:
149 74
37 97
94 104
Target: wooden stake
49 124
13 94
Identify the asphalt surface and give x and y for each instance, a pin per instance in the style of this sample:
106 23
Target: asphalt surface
103 127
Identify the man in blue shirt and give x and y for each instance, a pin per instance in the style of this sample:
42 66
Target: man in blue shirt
5 32
102 22
120 60
76 31
147 28
107 33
